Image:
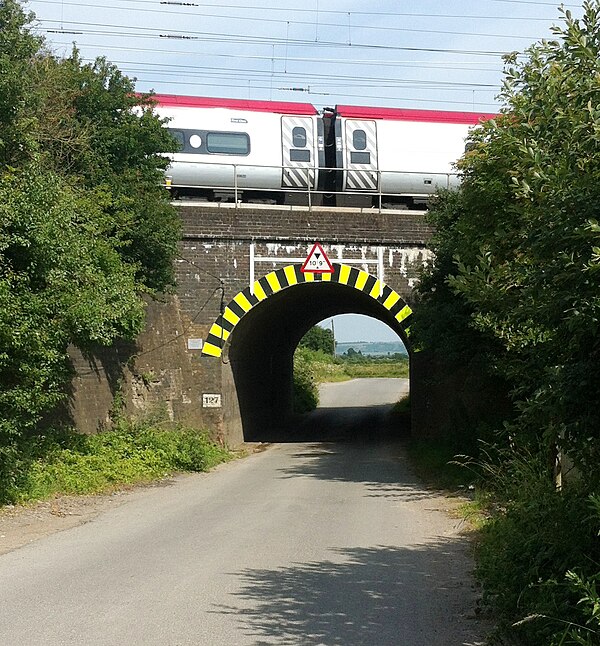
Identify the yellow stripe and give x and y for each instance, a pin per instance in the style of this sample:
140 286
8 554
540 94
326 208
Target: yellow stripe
309 277
404 313
326 277
219 332
376 291
344 274
243 302
211 350
231 316
273 281
391 300
361 280
290 274
407 331
259 292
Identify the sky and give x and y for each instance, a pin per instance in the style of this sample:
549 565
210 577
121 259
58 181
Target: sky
429 54
396 53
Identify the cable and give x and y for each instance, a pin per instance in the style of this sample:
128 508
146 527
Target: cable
330 79
222 37
287 74
282 21
288 9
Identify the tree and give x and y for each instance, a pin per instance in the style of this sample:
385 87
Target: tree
18 49
85 226
516 281
517 254
319 339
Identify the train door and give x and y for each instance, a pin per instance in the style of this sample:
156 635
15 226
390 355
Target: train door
357 148
298 147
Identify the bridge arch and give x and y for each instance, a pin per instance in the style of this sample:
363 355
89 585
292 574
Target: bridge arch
259 330
290 276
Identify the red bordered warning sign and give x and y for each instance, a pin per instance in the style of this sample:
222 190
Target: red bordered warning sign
317 261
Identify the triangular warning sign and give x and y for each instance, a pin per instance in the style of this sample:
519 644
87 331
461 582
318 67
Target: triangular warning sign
317 261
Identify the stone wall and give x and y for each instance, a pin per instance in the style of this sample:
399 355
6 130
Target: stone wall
163 371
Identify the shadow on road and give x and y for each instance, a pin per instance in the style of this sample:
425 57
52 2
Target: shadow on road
382 469
379 596
345 424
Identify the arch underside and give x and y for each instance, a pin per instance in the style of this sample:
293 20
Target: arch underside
290 276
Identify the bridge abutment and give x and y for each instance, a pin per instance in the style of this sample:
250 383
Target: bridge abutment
228 250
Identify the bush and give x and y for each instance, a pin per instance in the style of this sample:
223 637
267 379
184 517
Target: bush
306 391
65 462
535 537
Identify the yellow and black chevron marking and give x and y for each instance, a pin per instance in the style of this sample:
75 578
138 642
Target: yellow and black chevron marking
289 276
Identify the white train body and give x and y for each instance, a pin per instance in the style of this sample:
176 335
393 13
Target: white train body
242 144
275 149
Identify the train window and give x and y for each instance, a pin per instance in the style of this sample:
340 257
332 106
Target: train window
299 155
299 137
359 140
228 143
360 158
179 137
195 141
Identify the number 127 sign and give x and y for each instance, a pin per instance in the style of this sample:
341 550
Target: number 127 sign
317 261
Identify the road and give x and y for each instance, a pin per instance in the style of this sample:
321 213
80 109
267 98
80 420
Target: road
305 543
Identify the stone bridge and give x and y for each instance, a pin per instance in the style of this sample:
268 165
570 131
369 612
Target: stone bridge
218 353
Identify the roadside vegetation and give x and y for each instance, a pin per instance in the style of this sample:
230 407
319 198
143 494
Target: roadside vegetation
60 462
316 363
86 232
515 287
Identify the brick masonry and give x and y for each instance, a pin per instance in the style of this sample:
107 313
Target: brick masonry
163 373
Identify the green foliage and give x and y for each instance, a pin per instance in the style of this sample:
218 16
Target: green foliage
306 390
319 339
325 368
85 227
313 367
18 46
534 536
65 462
515 283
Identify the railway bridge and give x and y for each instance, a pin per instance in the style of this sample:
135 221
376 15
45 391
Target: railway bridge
218 352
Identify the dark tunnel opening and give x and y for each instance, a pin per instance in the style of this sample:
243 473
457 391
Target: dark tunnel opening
262 346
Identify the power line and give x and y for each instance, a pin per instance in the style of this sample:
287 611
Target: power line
362 96
288 9
258 57
432 65
240 38
331 79
281 21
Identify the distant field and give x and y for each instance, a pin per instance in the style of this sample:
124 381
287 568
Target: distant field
372 348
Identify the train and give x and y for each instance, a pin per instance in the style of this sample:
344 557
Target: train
292 153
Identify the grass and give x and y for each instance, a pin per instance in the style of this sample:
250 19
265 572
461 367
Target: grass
64 462
436 463
328 369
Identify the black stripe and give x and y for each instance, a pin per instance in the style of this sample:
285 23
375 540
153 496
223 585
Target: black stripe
299 274
250 296
264 283
353 277
397 307
283 281
335 277
387 290
236 309
225 324
318 278
368 286
215 340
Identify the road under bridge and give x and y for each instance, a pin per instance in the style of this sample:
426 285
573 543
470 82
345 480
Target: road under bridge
218 352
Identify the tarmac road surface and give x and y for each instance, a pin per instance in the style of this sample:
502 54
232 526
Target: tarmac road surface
305 544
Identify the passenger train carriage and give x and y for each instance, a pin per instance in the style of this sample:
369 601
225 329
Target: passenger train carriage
280 151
